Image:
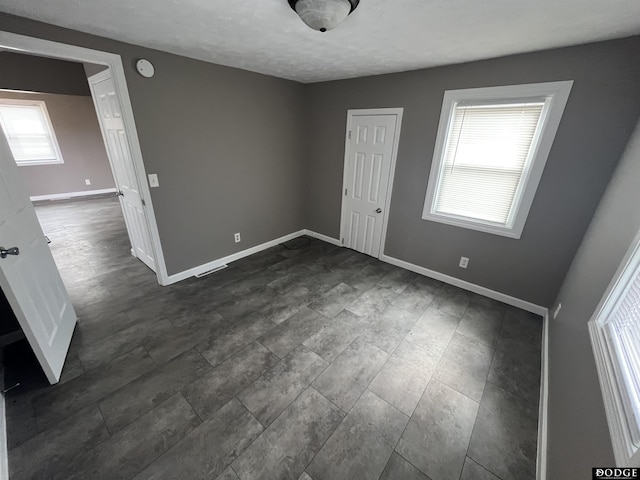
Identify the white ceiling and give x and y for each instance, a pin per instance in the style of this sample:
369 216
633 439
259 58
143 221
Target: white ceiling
381 36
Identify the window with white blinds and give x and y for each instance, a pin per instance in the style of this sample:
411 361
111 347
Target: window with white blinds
29 132
622 329
488 146
489 142
615 336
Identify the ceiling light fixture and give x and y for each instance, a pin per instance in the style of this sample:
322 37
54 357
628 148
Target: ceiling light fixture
323 15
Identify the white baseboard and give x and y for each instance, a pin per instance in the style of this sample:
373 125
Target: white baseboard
176 277
324 238
472 287
62 196
541 463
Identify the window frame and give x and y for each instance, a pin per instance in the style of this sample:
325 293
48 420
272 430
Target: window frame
555 96
626 453
42 106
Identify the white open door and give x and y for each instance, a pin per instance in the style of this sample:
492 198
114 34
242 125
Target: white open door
29 277
112 125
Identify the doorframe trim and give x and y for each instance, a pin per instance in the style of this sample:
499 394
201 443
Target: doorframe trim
398 112
25 44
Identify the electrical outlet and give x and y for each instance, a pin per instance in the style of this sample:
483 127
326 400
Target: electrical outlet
557 311
236 237
87 181
464 262
153 180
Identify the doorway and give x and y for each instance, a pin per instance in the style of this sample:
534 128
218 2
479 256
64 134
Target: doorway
371 147
28 276
128 150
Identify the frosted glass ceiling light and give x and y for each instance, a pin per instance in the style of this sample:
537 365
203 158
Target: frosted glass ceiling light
323 15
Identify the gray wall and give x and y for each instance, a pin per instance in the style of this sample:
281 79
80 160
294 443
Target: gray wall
600 114
76 128
578 433
225 143
40 74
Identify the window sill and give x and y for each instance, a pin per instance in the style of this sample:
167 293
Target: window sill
513 232
35 163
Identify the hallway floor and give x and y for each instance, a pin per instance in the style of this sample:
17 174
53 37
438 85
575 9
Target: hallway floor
308 363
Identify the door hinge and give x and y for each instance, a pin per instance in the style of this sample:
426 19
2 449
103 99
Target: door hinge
349 134
342 241
345 192
143 202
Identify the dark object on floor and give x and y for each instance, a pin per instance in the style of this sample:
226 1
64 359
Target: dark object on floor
21 368
297 243
10 330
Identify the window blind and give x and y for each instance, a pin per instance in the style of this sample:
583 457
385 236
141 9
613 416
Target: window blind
486 154
622 329
27 132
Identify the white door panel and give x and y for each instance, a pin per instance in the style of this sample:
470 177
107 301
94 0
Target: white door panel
112 125
30 280
369 154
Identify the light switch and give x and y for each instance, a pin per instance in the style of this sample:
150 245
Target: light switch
153 180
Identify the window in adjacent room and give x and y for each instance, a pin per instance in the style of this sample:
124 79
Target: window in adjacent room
491 149
615 336
29 132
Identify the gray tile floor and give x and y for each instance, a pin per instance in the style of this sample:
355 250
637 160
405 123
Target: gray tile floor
310 363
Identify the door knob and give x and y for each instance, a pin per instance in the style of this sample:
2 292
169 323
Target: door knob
378 210
9 251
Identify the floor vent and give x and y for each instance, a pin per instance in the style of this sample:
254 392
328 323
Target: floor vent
213 270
